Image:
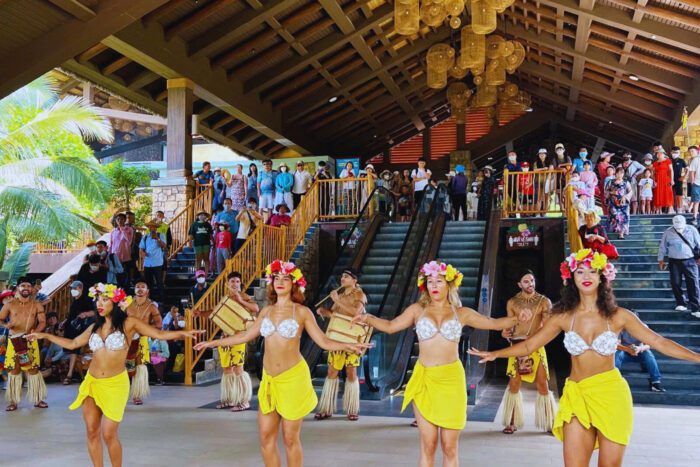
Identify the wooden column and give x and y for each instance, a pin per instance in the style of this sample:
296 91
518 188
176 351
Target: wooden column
180 99
461 136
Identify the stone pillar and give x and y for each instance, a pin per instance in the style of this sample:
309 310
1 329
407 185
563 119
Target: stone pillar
172 192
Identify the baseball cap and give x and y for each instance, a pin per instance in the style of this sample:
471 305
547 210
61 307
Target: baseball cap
200 273
559 146
525 164
542 150
5 294
76 284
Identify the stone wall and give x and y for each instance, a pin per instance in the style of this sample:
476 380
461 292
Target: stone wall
171 199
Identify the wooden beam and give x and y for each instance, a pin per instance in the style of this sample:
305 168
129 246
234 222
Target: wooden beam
75 9
143 79
147 45
169 7
196 16
116 65
23 64
91 52
133 116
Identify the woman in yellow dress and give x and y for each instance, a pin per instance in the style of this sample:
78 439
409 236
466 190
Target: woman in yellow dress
595 410
105 391
286 394
438 387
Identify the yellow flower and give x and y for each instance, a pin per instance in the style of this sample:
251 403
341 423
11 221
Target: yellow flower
296 274
599 261
458 279
582 253
522 227
421 280
450 273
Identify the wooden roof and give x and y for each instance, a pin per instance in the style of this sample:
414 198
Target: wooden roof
266 71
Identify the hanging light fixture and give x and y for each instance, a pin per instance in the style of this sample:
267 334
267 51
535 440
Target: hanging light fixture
458 95
407 16
499 5
433 13
483 17
440 58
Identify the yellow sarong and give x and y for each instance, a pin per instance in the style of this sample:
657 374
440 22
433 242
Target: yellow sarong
34 355
144 350
440 394
603 401
538 356
232 355
110 394
340 359
290 393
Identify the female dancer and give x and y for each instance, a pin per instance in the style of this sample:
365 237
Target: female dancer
286 394
596 407
105 390
438 387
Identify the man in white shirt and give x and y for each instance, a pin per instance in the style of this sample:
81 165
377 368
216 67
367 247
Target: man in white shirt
421 178
302 182
694 181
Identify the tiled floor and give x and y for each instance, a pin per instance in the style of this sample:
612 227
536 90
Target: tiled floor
171 430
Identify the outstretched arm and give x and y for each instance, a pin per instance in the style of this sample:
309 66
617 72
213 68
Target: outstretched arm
242 338
640 331
549 331
69 344
144 329
474 319
403 321
311 327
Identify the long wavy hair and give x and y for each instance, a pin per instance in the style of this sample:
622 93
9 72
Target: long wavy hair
118 318
297 295
571 298
452 296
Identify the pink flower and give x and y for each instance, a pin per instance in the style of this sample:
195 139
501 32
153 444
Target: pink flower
431 269
302 283
610 272
564 270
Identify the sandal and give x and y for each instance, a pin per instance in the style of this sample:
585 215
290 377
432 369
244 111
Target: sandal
509 430
353 417
11 408
138 402
222 405
322 416
67 380
42 405
414 423
240 407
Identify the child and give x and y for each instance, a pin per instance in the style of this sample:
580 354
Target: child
589 178
526 188
223 244
404 204
646 191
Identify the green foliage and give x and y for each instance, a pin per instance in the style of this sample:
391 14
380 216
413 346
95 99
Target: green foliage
17 265
51 186
142 212
125 180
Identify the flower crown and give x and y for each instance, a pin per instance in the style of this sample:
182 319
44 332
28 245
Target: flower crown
589 258
286 269
114 293
438 268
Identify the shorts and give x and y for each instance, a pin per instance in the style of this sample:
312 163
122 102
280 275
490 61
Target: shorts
267 201
202 249
694 193
232 356
646 198
678 189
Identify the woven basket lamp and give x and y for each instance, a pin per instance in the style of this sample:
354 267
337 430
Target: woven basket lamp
473 49
483 17
454 8
433 13
440 58
495 74
407 16
500 5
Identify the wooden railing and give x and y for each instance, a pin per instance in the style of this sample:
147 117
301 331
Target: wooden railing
534 193
59 300
180 224
572 214
267 243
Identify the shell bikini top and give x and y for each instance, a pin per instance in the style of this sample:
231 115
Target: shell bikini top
288 328
450 329
605 344
115 341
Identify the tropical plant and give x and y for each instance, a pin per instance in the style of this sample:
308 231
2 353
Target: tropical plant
50 183
17 264
125 181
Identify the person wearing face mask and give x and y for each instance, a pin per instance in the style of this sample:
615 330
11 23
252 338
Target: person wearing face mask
153 249
561 161
633 172
266 188
248 219
80 316
663 191
91 246
200 287
526 189
694 181
110 260
283 186
582 157
473 201
486 192
92 272
223 242
680 169
201 236
229 215
677 250
618 195
512 166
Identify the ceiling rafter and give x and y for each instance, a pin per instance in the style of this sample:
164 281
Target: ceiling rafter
195 17
75 9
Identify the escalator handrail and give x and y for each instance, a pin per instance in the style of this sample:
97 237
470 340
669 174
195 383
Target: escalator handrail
440 194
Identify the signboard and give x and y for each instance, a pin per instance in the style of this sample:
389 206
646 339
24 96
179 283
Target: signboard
524 237
340 165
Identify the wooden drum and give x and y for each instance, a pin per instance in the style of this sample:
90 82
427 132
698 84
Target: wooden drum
231 316
341 329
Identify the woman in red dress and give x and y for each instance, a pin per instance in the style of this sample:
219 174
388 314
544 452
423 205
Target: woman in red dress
663 175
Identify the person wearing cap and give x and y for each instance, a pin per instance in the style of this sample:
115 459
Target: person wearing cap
200 234
633 172
544 183
526 189
694 181
676 249
458 187
26 316
153 247
80 315
578 161
302 182
281 217
664 178
486 194
223 241
266 188
200 287
680 169
349 300
283 187
561 161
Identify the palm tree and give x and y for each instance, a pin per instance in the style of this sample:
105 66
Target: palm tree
51 185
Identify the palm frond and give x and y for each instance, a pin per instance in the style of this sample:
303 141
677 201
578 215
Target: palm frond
17 264
3 241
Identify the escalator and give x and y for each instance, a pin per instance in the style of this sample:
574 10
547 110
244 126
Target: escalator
386 364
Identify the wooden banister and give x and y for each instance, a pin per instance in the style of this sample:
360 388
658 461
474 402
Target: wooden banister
180 224
535 193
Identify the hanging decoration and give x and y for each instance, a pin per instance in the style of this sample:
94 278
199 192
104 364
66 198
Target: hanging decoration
458 95
440 59
409 13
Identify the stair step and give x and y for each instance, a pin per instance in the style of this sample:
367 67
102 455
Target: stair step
646 292
669 381
670 397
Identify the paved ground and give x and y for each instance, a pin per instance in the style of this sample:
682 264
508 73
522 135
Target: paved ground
172 430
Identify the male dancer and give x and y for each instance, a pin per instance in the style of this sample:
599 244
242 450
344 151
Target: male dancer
532 368
26 316
351 301
143 309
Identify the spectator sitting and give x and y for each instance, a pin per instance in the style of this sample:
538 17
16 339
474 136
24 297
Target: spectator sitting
110 261
159 357
593 235
51 328
282 216
223 242
173 321
80 316
631 349
53 357
646 191
200 288
91 273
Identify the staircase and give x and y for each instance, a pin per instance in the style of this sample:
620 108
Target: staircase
374 276
461 247
640 286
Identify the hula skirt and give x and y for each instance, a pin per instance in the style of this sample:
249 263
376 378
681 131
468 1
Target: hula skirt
290 393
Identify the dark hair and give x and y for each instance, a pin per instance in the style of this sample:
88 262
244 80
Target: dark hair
570 299
160 212
121 214
253 199
101 242
129 213
94 258
422 159
250 169
322 163
233 275
524 273
267 161
675 148
118 319
586 162
206 163
657 143
141 280
619 169
692 147
228 199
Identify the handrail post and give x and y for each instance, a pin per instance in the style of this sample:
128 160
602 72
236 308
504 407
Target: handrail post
283 241
506 197
258 248
188 348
